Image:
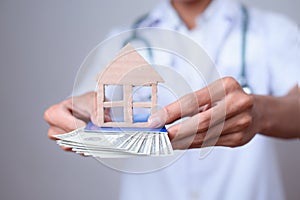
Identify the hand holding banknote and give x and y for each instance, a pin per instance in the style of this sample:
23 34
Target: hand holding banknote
68 125
66 116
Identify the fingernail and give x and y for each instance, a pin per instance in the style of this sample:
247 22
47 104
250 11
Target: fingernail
155 122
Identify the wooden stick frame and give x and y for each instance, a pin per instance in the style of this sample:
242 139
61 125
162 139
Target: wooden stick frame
128 69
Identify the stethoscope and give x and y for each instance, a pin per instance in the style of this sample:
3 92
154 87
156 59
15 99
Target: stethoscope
244 30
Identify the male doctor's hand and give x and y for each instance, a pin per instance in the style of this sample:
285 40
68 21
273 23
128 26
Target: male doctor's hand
71 114
222 114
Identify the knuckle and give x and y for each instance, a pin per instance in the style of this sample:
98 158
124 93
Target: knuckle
230 83
46 115
245 121
191 104
248 120
238 139
228 79
198 140
247 100
167 112
172 132
49 112
244 100
250 100
204 124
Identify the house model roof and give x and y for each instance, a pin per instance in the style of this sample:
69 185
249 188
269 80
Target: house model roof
129 67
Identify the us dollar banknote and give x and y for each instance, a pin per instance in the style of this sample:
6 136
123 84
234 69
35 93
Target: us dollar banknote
117 144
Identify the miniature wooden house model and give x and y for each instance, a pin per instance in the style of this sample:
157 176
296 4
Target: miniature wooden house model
129 69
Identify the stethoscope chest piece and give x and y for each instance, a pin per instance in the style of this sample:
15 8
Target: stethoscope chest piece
247 89
244 84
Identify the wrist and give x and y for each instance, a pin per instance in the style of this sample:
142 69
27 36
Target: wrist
276 116
262 113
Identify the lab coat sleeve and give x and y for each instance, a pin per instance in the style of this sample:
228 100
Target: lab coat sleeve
283 54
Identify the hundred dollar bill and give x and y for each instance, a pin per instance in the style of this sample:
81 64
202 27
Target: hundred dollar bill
166 145
137 144
146 145
105 140
106 154
117 144
83 147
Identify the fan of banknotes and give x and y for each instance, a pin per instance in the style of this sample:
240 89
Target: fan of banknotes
117 142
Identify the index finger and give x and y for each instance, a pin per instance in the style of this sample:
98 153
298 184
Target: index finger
59 116
188 105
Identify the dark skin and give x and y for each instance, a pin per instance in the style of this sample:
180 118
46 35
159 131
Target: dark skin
188 10
233 119
221 114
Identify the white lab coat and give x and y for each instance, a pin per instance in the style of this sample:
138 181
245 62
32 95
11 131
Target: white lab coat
273 67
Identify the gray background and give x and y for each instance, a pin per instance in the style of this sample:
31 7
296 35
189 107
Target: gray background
42 44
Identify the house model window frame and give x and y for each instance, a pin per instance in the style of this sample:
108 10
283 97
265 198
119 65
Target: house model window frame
128 69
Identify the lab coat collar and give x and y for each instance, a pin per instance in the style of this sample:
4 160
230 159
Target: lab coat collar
166 16
226 9
212 26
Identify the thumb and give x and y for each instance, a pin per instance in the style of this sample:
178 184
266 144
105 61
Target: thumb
107 117
158 119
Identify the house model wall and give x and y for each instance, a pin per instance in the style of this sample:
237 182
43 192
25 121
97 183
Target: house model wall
128 69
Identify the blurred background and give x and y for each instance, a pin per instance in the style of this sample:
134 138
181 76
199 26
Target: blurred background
42 44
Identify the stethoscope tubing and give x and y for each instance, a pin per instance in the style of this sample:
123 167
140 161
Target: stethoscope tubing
244 32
